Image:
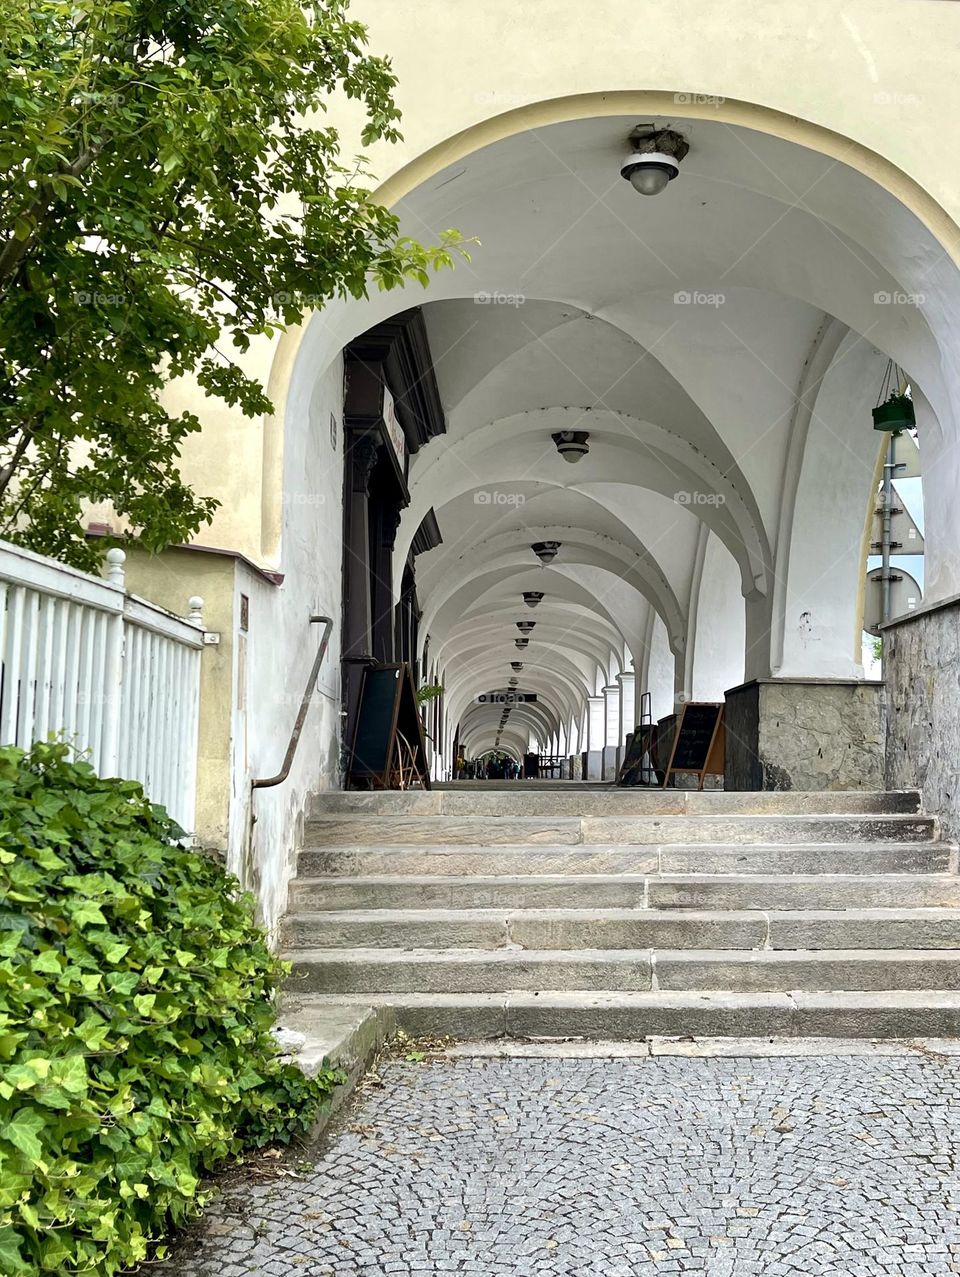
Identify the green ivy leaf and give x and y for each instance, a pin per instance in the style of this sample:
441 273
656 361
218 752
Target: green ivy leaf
86 912
136 1048
22 1131
11 1257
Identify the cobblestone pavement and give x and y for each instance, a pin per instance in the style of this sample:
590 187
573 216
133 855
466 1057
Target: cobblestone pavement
615 1168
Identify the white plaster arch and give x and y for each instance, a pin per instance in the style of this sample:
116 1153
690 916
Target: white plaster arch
585 547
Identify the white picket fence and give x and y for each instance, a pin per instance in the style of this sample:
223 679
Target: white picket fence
117 676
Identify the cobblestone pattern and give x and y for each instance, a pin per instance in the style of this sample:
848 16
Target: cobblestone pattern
616 1168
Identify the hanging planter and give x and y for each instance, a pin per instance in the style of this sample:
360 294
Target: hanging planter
895 413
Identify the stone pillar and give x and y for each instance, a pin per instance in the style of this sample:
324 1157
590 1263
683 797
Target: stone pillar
804 734
596 736
611 742
628 714
921 663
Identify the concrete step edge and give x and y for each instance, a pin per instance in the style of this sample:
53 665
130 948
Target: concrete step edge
592 1016
871 844
682 998
918 913
697 817
361 956
670 877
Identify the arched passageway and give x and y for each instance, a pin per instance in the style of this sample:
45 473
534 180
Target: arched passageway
717 349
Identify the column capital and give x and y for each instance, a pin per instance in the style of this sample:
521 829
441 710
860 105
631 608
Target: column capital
362 452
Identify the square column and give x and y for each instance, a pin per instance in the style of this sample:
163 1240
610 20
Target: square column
596 736
627 682
611 742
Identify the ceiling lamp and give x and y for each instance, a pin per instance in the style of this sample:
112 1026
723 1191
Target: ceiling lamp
572 444
546 551
516 665
521 643
532 597
525 626
514 682
653 159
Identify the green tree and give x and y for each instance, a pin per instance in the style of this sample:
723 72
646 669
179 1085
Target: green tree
168 190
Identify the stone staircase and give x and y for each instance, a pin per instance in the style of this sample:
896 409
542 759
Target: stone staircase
565 911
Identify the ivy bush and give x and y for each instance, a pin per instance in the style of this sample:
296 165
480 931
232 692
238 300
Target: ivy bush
135 1008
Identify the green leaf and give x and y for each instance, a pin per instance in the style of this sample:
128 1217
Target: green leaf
11 1257
70 1074
86 912
22 1076
22 1131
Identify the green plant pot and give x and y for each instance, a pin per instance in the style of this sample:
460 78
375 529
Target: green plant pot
896 414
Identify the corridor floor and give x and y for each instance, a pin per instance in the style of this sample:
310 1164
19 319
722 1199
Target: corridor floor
610 1167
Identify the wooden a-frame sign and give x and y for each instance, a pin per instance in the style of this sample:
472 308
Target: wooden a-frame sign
698 745
388 749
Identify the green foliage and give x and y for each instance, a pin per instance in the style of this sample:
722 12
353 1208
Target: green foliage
167 183
429 692
135 1009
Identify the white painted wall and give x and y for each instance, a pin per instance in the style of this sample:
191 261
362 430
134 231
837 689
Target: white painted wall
825 570
660 676
719 640
273 662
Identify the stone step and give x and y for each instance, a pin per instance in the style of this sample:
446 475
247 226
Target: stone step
611 802
404 830
881 857
611 891
378 971
552 929
626 1016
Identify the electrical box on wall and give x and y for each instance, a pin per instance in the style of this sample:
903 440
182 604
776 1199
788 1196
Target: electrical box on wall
211 638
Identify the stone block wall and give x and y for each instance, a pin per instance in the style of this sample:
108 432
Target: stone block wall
921 660
805 734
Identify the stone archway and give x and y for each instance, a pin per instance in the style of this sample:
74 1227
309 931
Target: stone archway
728 407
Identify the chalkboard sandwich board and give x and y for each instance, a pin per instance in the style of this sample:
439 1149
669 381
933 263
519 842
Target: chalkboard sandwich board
632 770
699 743
389 750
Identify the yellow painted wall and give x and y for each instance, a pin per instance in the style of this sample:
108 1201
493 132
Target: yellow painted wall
169 580
871 82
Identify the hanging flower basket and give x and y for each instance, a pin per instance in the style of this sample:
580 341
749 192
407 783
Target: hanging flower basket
895 414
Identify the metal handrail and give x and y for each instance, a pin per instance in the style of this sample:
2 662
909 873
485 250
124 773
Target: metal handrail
267 782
